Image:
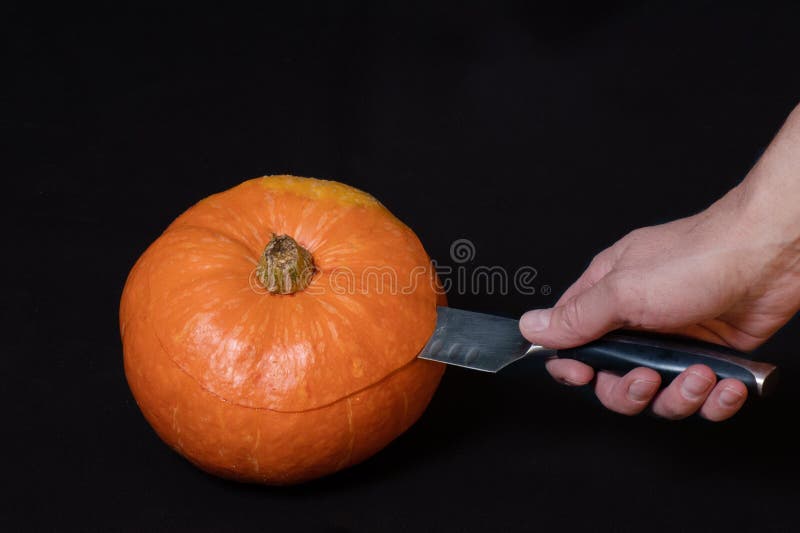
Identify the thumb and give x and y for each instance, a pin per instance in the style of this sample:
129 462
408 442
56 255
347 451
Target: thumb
583 318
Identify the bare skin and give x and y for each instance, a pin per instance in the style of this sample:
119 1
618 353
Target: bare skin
729 275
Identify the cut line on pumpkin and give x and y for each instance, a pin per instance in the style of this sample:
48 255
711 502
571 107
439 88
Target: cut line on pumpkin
346 396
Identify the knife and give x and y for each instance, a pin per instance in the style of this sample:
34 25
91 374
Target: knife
491 343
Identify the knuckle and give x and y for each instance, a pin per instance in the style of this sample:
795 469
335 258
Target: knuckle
596 261
601 261
639 234
571 318
629 299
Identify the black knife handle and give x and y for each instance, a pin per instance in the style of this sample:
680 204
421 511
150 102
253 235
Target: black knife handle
621 352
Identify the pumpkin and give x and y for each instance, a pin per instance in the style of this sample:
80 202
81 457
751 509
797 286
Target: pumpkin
265 339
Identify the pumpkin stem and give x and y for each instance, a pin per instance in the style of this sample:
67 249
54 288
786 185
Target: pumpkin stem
285 267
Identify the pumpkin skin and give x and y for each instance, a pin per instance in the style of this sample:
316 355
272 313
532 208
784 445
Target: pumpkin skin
280 388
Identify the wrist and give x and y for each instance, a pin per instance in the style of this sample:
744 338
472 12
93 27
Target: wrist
769 197
769 208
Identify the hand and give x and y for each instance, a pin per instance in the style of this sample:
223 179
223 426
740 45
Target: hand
729 275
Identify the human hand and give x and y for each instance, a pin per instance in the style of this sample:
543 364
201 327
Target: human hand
729 275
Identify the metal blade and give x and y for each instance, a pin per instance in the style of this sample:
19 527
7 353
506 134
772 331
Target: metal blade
476 340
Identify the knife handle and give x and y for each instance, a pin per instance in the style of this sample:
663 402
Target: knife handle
621 352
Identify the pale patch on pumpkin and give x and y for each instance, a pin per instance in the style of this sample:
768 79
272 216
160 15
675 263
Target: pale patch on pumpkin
333 331
358 367
334 255
175 427
353 307
254 462
323 223
352 439
328 307
317 329
254 453
285 368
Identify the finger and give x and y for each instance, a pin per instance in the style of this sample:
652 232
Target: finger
724 401
570 372
629 394
686 394
580 319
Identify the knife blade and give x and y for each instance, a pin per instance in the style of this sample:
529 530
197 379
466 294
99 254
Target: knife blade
490 343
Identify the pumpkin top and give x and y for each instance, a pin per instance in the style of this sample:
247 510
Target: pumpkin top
368 309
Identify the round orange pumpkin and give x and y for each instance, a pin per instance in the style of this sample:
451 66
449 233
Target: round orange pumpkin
270 334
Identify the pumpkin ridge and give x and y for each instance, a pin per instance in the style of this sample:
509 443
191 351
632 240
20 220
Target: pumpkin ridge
190 282
172 228
228 214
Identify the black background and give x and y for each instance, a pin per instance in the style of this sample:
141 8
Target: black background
542 134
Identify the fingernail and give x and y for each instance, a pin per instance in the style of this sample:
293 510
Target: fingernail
641 390
695 385
730 398
537 320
